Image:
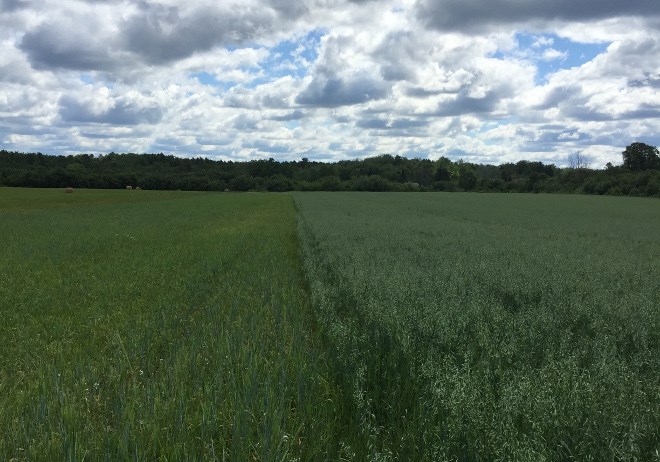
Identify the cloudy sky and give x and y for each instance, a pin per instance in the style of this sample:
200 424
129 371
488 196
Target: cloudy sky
486 81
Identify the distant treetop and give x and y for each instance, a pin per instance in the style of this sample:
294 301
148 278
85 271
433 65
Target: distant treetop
641 156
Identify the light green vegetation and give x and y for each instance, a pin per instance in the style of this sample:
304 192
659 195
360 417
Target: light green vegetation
490 327
145 325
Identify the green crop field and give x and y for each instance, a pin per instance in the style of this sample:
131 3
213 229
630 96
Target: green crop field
146 325
491 327
149 325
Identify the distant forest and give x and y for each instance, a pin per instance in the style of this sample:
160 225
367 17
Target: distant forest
639 175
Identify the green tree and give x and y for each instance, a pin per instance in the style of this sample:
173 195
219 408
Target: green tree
442 174
278 183
640 156
330 183
242 183
467 180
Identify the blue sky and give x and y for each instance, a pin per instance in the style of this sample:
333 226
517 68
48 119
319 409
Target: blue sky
550 53
331 79
290 57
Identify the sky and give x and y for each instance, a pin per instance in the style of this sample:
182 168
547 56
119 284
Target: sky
484 81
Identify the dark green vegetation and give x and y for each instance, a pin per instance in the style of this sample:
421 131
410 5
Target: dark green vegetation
147 325
638 176
640 156
490 327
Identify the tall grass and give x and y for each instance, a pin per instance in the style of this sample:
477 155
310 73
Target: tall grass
490 327
141 325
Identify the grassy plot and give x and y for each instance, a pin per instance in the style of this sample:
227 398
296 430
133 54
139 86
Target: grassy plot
491 327
140 325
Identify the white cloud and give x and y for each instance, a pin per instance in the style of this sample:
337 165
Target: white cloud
329 79
542 41
550 54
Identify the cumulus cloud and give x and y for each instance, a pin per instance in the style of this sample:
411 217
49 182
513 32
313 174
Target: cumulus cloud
399 55
343 76
100 107
69 42
330 79
330 91
289 116
122 113
462 15
160 34
397 124
550 54
12 5
648 80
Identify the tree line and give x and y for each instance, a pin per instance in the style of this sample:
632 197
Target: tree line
639 174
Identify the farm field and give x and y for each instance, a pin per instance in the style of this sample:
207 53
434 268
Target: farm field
153 325
490 327
146 325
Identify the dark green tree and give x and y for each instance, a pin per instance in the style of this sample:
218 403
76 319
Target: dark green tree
278 183
242 183
467 179
442 174
640 156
